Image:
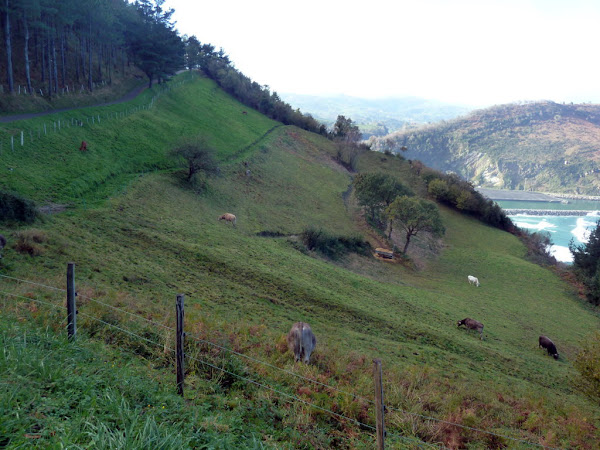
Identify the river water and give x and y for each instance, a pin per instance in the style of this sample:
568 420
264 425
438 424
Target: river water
560 228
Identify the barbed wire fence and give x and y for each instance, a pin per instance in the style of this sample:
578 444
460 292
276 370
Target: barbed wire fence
20 138
263 384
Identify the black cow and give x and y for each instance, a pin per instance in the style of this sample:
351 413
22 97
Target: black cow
546 342
472 324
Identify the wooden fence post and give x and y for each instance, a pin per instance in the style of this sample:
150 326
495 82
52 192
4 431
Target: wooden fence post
179 347
71 308
379 404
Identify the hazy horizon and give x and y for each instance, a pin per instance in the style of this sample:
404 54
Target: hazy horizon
464 52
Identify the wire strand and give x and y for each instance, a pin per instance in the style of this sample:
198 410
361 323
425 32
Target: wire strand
137 316
249 380
31 282
468 428
32 299
91 299
196 338
278 368
293 397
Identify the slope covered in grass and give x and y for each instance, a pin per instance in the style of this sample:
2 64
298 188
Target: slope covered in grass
151 236
124 143
60 393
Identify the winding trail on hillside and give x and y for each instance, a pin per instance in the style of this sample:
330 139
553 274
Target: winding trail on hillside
127 97
359 217
252 144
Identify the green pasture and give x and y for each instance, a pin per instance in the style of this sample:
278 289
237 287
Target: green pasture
145 236
125 142
58 393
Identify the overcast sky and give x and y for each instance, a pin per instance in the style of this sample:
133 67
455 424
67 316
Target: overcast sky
475 53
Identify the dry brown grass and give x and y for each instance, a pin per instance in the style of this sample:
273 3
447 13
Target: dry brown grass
30 242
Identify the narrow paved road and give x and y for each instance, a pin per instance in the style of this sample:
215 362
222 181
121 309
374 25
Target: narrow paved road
127 97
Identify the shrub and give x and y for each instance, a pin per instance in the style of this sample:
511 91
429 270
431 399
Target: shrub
333 246
538 247
438 189
268 233
15 208
588 364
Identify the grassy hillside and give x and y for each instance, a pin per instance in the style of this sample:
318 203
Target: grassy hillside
139 235
59 393
541 146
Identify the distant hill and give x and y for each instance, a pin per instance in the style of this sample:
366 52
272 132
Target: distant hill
542 146
376 117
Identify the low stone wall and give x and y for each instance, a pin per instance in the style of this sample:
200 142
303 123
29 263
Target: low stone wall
524 196
530 196
548 212
574 196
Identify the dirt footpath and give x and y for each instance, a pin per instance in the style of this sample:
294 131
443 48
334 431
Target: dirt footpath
127 97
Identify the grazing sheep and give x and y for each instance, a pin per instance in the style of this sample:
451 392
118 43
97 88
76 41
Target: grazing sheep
301 341
545 342
473 280
2 244
227 217
472 324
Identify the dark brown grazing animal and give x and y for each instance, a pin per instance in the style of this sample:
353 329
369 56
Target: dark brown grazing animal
2 244
472 324
301 341
546 343
83 146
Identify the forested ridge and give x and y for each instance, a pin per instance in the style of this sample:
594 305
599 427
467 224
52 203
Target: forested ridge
51 48
543 146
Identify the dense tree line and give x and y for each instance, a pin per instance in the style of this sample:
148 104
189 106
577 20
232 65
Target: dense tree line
217 66
586 264
51 44
459 194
